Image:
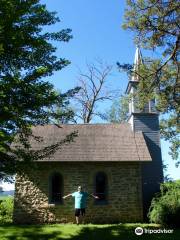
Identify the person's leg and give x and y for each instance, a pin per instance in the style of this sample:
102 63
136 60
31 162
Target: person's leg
77 220
77 213
83 214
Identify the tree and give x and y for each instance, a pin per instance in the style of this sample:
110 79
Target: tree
156 25
165 206
93 91
119 110
27 55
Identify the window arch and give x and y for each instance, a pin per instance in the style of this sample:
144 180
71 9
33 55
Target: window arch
55 188
101 185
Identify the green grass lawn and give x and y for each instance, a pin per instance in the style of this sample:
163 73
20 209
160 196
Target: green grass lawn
82 232
5 197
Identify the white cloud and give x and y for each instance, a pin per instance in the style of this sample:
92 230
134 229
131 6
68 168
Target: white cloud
7 186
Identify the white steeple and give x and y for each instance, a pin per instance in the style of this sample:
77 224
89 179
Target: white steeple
137 61
132 90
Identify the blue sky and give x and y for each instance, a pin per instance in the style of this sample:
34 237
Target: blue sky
96 30
97 33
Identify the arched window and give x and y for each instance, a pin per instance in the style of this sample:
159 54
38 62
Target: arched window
56 188
101 185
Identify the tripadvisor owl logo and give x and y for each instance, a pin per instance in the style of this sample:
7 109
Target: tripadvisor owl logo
139 231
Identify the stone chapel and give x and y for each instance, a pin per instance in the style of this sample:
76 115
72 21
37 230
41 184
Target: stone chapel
121 163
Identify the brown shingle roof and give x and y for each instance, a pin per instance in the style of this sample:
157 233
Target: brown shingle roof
95 142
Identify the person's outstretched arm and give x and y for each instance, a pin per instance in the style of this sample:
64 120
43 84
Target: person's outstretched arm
94 196
69 195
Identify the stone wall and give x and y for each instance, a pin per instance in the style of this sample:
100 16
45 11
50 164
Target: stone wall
124 203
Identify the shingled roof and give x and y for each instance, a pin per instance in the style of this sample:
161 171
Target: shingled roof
95 142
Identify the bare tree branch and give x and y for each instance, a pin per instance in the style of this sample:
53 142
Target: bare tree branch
94 89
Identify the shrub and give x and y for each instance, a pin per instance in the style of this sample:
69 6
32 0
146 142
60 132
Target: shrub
6 210
165 207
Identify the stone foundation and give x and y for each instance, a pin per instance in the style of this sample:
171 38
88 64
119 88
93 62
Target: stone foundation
124 204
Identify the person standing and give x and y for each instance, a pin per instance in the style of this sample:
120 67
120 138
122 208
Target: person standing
80 202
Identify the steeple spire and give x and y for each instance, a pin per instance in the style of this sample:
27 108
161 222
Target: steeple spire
132 88
137 61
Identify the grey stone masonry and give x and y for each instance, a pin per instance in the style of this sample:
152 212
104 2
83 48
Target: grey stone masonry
124 200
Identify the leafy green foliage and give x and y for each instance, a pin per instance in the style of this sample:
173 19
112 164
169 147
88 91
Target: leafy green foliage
6 210
165 208
156 25
119 110
27 56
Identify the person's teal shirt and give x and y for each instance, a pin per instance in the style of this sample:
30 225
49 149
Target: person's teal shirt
80 199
